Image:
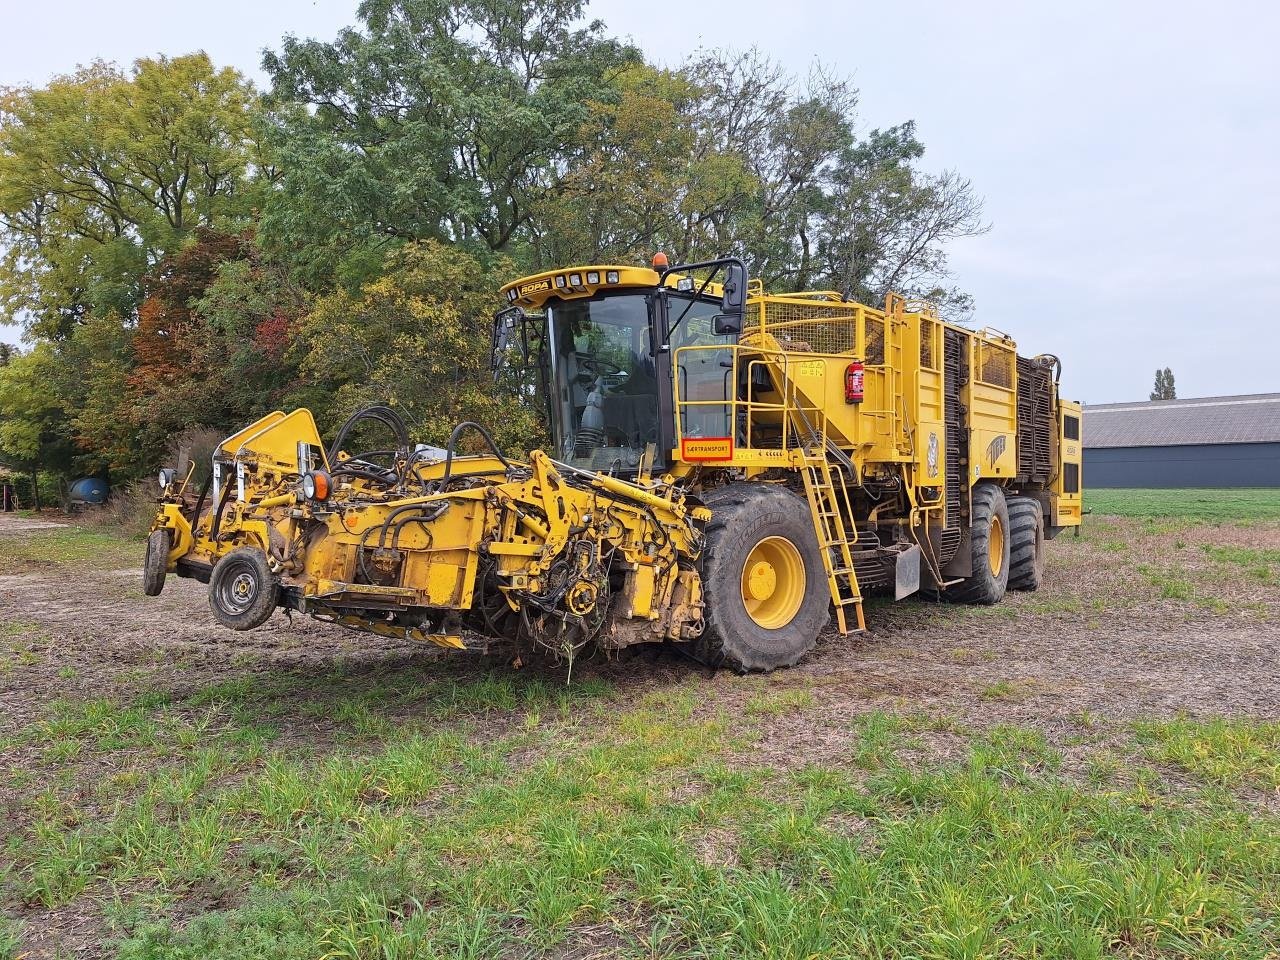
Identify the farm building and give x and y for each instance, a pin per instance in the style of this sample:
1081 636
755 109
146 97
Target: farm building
1205 442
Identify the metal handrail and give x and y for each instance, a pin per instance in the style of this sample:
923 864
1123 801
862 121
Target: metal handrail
787 408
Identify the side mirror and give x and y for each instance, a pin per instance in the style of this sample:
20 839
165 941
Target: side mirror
504 324
735 288
733 302
724 324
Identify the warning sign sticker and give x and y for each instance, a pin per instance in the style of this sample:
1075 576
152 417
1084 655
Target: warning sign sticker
706 448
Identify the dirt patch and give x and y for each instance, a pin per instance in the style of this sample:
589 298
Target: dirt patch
716 847
1098 637
74 930
14 524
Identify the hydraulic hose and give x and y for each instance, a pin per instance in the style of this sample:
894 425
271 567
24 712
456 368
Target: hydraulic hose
222 503
377 475
379 412
204 492
400 511
453 442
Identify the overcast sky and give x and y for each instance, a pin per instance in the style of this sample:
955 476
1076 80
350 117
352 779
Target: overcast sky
1128 152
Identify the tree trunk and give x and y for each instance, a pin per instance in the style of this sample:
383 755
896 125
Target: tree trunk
35 488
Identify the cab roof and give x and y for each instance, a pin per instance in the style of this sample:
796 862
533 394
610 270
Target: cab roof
576 283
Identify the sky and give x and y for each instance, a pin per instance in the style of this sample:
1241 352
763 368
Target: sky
1128 153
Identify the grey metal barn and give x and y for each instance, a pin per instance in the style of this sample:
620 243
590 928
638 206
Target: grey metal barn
1204 442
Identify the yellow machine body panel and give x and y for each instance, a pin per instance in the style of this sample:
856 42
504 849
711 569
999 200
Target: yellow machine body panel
1067 485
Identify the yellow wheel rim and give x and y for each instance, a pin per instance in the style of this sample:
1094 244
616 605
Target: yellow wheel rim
773 582
995 546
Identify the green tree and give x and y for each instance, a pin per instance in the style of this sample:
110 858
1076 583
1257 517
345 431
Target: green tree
1164 388
210 343
437 120
103 173
731 154
34 431
419 339
887 224
249 316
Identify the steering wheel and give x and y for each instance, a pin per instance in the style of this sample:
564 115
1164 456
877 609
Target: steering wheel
599 368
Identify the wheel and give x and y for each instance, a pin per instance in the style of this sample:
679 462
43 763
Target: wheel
763 580
242 589
1026 543
989 541
156 562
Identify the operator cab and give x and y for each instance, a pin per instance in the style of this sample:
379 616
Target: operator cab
605 352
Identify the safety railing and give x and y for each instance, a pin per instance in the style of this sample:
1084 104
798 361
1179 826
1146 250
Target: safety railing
790 421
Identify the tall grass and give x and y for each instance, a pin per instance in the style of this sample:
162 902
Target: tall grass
128 512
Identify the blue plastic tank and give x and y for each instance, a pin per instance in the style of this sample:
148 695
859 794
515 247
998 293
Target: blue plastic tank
89 490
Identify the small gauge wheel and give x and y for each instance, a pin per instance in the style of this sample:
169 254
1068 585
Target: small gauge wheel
242 590
156 562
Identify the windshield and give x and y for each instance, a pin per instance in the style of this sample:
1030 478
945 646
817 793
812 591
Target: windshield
604 404
604 385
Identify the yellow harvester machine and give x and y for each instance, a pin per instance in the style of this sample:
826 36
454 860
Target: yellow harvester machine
726 467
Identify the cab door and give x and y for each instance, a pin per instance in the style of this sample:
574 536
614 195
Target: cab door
702 365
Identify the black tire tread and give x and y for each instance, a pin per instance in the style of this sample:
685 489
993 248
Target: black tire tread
1026 553
264 604
737 511
156 562
981 587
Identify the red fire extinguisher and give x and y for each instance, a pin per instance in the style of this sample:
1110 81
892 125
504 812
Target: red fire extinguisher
853 382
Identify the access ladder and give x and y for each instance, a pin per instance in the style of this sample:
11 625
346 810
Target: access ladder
828 496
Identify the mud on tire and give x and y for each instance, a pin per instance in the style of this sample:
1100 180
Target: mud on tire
761 523
1026 543
242 589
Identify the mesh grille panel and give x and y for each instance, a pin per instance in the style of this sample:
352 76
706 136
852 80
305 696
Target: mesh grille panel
995 365
820 327
927 332
875 341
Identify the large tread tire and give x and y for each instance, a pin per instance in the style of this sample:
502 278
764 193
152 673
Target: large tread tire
989 514
743 515
242 589
1026 543
156 562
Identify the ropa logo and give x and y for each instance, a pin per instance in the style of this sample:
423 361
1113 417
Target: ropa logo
536 287
995 449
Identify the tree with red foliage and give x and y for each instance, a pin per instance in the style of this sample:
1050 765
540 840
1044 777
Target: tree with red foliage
210 340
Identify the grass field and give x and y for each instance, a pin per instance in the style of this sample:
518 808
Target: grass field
229 800
1238 505
635 828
